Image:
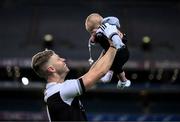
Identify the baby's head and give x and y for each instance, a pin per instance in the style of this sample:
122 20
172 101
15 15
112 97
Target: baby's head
93 21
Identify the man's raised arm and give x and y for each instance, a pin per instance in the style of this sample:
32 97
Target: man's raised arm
102 66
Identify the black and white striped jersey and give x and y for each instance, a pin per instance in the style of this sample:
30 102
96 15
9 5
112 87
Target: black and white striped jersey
62 100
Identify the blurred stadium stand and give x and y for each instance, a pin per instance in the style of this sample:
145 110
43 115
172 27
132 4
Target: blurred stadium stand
154 72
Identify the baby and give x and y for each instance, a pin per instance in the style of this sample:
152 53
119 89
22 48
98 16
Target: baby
92 23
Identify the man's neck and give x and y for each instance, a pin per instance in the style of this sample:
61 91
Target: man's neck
56 78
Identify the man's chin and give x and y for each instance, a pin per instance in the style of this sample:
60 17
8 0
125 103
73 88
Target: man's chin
67 70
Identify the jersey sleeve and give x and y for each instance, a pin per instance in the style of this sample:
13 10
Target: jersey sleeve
68 90
112 21
72 88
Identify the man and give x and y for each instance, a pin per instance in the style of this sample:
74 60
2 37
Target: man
92 23
61 96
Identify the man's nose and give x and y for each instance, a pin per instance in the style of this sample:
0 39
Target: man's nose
63 59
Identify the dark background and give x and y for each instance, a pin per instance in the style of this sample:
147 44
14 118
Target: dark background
153 67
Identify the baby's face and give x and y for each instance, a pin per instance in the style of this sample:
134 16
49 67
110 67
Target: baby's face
93 24
93 28
92 35
93 31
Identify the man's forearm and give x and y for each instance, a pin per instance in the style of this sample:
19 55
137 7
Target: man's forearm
101 67
104 64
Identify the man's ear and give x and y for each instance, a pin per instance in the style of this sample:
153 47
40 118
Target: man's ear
51 69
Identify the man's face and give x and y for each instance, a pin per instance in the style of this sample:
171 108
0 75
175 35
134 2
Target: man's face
58 64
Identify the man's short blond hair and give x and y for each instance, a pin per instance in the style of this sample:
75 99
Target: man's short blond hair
93 21
39 60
